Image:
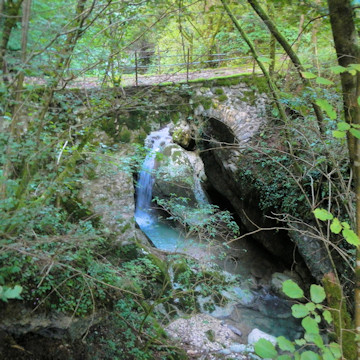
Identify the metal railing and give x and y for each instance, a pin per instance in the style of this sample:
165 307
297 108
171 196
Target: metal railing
140 62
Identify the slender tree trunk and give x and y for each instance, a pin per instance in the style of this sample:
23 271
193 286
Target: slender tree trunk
14 126
314 33
272 45
272 86
21 75
295 48
291 53
12 10
348 52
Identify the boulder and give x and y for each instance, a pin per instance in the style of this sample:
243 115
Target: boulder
257 334
277 280
180 172
110 195
18 319
183 136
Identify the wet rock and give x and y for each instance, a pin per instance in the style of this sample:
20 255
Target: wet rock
277 280
180 172
257 334
234 329
183 136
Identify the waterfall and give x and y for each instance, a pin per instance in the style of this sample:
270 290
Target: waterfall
155 141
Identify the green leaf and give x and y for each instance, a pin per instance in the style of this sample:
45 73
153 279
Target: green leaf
285 344
335 349
292 290
354 66
309 355
345 225
310 306
11 293
265 349
322 81
317 293
310 325
351 237
327 316
315 338
322 214
338 134
358 100
300 342
338 69
308 75
343 126
352 72
327 107
284 357
355 133
336 226
299 311
327 354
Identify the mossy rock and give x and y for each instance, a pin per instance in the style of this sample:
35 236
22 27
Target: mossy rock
222 98
219 91
205 101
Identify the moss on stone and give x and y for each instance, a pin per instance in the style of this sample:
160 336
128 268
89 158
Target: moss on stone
219 91
222 98
205 101
341 317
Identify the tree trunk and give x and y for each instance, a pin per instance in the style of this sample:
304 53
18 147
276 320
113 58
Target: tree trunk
21 75
12 10
348 52
291 53
272 86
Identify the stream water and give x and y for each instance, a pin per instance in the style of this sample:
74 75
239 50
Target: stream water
248 307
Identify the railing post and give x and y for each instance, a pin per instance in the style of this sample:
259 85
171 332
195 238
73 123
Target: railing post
187 65
136 69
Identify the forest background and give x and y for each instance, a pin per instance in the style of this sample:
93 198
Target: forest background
307 51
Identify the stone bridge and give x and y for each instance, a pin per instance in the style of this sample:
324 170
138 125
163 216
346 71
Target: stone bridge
237 101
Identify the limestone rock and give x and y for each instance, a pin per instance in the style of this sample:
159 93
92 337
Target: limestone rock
17 319
277 280
257 334
182 135
110 195
180 172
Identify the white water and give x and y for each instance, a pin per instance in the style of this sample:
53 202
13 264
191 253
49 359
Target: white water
155 142
167 238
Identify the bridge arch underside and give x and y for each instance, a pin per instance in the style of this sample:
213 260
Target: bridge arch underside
219 150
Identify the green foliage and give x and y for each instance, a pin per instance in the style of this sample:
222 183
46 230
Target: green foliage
222 98
336 226
312 345
203 220
125 136
7 293
292 290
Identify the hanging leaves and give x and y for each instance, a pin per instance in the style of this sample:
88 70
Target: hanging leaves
292 290
336 226
317 293
327 107
265 349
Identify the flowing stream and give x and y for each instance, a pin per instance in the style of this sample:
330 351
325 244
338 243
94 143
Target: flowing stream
248 307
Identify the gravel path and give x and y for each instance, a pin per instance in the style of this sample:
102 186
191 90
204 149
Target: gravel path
129 80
